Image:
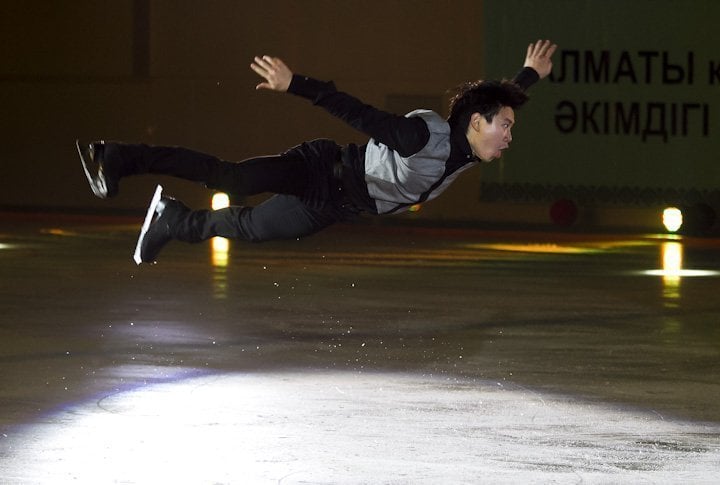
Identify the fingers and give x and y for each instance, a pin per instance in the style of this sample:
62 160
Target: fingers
546 48
277 75
264 66
539 57
541 48
551 50
266 63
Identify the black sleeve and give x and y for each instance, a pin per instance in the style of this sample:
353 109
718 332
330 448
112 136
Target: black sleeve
407 136
526 78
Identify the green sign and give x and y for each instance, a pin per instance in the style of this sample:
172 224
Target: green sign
631 112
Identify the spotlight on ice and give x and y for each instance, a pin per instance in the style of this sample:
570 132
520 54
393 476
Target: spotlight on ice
672 219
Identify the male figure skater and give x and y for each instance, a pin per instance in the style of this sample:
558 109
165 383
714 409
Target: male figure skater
408 160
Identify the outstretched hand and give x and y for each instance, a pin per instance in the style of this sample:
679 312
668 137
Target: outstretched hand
277 75
539 57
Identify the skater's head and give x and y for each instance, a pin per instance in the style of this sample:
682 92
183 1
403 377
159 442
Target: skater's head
485 110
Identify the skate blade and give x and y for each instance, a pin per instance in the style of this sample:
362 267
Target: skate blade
97 186
146 224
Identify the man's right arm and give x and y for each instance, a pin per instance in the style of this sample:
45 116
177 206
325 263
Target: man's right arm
405 135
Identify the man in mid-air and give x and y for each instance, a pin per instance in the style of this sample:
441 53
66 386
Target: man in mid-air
408 160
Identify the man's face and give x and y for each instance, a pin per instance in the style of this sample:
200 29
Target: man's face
488 140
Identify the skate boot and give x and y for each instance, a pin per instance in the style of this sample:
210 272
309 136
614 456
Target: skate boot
163 213
103 178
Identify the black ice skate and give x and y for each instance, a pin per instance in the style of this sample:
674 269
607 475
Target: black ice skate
156 229
102 179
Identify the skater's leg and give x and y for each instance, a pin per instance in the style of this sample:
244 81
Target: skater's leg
105 164
280 217
279 174
132 159
282 174
286 217
288 173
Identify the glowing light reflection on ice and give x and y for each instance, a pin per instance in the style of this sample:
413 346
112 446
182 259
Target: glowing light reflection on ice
334 427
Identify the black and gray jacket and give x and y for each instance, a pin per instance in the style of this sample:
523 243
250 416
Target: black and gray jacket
409 159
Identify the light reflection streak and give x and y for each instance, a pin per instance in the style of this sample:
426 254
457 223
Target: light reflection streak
220 250
671 254
56 231
548 248
219 255
672 260
672 272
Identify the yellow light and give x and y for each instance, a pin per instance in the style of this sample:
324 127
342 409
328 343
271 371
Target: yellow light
535 248
672 265
672 219
220 251
415 208
220 246
672 256
58 232
220 201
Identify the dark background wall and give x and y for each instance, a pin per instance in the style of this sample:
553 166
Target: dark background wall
177 72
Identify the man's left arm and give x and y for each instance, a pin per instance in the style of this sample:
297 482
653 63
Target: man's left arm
538 63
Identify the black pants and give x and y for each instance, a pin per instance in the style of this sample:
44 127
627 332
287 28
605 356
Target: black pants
308 195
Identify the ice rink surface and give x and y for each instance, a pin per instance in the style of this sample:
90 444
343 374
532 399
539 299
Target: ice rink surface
366 354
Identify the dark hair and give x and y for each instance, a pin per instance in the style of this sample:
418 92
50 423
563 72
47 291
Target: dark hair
484 97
